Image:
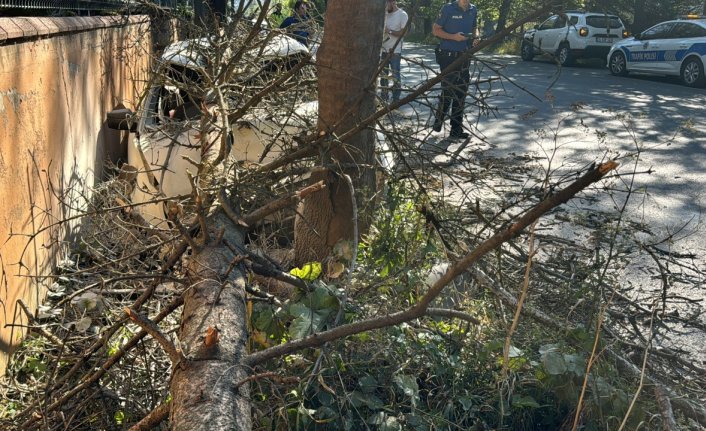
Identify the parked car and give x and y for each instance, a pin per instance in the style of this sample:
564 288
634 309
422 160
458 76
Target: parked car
676 48
176 127
572 35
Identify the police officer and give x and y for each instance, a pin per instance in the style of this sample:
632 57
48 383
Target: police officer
456 26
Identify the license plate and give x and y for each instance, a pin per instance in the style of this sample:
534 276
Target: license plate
604 40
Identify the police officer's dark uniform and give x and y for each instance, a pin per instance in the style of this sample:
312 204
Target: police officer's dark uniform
453 19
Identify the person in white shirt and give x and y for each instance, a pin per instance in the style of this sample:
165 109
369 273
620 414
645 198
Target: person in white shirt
395 28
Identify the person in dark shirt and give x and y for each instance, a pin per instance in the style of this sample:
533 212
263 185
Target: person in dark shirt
456 26
297 24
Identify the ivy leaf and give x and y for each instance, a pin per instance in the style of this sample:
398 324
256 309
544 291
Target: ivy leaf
524 401
367 384
308 272
554 363
409 386
306 321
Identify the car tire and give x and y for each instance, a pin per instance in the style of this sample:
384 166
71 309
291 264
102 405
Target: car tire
526 51
692 73
618 64
563 55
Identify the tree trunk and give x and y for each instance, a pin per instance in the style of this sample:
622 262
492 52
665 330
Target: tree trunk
504 12
347 62
203 387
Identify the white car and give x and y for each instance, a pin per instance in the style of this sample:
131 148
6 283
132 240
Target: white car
572 35
676 47
168 139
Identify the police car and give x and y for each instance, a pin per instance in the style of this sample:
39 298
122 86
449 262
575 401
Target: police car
676 47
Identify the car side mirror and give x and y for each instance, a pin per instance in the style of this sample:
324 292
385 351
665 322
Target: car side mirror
121 119
638 36
536 26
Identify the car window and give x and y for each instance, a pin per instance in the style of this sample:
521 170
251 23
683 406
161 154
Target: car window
686 29
546 25
573 20
560 22
603 21
660 31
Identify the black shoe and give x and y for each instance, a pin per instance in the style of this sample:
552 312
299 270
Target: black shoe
459 135
437 126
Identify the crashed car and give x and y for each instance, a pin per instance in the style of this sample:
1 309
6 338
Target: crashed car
572 35
176 129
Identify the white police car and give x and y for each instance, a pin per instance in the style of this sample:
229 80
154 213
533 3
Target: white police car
676 47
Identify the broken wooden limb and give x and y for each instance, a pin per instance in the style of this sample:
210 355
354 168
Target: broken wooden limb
452 314
665 409
278 204
418 310
151 328
154 418
204 393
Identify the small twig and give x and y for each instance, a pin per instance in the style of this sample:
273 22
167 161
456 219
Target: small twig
642 374
175 355
288 201
41 329
228 209
453 314
269 375
154 418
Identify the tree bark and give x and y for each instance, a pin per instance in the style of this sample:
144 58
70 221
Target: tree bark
204 391
502 17
347 61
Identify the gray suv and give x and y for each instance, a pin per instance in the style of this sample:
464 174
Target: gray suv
572 35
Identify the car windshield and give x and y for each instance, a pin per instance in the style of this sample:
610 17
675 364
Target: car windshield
603 21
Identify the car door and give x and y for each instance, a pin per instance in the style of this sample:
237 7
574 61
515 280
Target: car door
687 37
546 35
647 53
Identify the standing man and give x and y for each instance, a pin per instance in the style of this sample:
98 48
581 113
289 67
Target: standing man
298 23
456 26
395 28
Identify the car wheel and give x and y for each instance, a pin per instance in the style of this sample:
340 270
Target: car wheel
692 73
526 51
564 55
618 64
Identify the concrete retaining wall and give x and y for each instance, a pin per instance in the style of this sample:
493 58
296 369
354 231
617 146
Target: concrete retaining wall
58 78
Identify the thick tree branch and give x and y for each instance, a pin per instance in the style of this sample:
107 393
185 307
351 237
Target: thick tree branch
146 324
456 269
154 418
285 202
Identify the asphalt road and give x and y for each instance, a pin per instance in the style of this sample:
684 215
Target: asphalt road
567 118
595 116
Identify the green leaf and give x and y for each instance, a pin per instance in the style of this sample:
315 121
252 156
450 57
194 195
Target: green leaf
368 384
524 401
514 352
466 402
323 299
309 272
359 399
575 364
376 418
554 363
263 319
305 321
409 386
